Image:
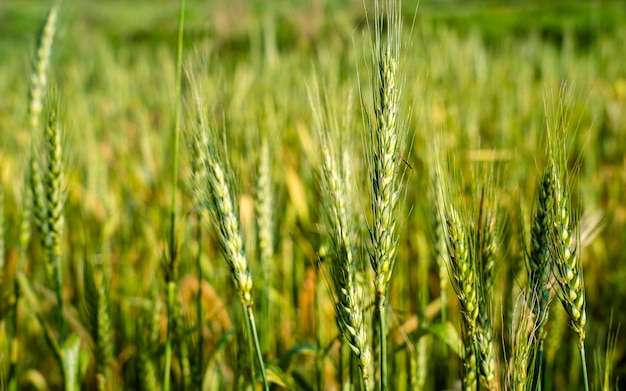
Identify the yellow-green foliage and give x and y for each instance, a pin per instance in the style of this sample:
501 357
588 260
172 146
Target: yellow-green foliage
94 183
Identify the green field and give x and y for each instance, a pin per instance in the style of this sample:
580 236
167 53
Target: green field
502 180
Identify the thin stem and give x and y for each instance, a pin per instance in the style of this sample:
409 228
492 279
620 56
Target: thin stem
380 308
177 110
171 287
583 361
171 291
265 299
318 338
58 287
249 339
255 338
199 314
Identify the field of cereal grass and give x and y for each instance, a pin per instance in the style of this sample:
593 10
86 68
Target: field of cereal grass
506 118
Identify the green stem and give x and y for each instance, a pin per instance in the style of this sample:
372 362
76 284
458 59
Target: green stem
171 287
177 109
318 338
539 365
199 319
14 347
583 362
171 291
249 338
257 347
380 308
350 367
58 287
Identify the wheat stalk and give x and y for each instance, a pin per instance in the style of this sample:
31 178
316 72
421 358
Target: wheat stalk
172 262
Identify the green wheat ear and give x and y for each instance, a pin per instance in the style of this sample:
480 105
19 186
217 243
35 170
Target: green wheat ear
339 217
39 76
215 193
464 281
567 263
523 338
264 205
383 144
568 268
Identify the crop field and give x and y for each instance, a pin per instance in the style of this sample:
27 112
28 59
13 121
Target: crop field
312 195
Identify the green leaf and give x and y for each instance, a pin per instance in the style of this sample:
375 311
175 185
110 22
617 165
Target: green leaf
70 354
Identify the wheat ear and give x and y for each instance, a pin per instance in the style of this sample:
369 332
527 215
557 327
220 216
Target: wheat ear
567 264
464 282
39 76
569 275
383 153
264 207
54 199
340 220
37 87
540 261
217 194
523 336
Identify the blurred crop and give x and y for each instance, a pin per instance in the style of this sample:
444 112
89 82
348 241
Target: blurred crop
424 197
